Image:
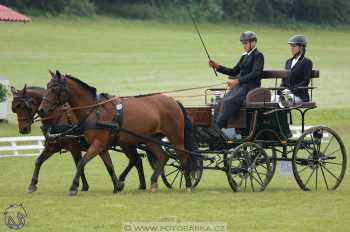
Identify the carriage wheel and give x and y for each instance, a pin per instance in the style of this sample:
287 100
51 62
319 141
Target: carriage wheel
273 163
172 176
248 168
319 159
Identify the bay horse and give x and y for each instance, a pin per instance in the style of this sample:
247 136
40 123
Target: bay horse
153 116
25 104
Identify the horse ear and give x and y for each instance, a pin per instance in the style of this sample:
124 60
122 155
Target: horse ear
58 74
13 90
24 89
52 73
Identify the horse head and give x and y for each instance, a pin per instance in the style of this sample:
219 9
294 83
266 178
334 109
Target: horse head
57 94
25 107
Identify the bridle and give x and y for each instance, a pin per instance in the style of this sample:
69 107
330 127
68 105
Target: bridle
28 103
61 89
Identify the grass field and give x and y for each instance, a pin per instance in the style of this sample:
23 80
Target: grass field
132 57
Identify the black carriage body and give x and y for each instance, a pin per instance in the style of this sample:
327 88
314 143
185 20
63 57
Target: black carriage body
318 156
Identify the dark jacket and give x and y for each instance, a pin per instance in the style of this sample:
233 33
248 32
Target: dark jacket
248 70
299 76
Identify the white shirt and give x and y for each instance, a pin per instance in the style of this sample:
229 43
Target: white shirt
250 52
294 61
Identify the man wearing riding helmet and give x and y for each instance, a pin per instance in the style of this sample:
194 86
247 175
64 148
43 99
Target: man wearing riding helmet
300 69
243 77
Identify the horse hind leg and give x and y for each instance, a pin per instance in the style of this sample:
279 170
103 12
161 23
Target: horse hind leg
184 158
162 158
134 160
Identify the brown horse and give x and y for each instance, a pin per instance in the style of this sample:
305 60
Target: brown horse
25 104
153 116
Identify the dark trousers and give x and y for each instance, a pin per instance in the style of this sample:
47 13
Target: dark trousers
231 102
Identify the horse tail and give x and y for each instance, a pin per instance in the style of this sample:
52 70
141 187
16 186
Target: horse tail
188 130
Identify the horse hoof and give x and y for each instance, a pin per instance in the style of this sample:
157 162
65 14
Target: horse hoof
85 188
120 186
154 187
141 189
73 192
188 189
32 188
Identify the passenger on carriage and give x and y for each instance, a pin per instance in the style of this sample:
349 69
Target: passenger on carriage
243 77
300 69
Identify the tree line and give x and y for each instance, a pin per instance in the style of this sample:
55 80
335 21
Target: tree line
265 11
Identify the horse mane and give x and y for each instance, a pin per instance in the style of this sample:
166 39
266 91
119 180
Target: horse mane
36 88
83 84
19 91
145 95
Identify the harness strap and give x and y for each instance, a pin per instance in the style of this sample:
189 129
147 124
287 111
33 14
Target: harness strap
142 95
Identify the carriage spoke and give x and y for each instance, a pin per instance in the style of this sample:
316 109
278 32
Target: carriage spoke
251 182
261 183
313 170
258 175
264 167
175 177
319 144
333 152
326 162
261 173
313 142
240 183
324 177
171 172
330 141
181 180
316 176
306 149
330 172
304 169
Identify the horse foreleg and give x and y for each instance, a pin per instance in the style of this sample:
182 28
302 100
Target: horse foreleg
44 155
118 186
76 153
95 148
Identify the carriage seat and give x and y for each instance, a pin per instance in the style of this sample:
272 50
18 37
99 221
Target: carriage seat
260 98
256 98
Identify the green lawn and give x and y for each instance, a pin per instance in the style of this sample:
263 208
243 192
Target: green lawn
131 57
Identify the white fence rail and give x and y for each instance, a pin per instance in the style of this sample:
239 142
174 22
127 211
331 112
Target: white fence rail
25 146
28 146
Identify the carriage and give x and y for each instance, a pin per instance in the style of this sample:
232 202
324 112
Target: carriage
263 138
318 155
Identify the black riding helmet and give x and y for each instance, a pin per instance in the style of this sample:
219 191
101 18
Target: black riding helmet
298 40
248 36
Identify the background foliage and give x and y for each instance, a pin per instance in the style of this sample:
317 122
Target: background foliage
3 92
267 11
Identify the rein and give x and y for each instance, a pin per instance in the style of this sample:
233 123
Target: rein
116 97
